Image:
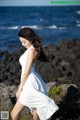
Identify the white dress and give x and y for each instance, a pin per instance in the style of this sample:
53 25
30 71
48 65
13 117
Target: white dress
34 94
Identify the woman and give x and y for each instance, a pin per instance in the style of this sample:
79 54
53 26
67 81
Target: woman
32 90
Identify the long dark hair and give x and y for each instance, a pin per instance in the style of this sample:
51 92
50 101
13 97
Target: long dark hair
30 35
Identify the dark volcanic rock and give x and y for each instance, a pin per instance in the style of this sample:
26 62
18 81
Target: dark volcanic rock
62 70
10 69
69 107
63 65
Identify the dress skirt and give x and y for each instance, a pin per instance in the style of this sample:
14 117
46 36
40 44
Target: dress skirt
34 95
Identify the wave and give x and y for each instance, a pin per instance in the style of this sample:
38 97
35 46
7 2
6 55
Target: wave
78 12
14 27
41 19
78 25
11 28
77 21
32 26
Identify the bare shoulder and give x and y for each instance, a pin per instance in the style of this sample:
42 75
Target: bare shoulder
33 51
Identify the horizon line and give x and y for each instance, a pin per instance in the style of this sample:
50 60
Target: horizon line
53 4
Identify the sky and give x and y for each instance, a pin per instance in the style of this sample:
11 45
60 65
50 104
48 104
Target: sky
30 2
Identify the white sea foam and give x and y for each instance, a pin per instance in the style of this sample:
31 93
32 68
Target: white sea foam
78 12
55 27
77 21
40 27
78 25
32 26
52 27
13 27
41 19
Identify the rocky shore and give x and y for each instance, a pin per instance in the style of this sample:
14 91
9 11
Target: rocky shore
61 75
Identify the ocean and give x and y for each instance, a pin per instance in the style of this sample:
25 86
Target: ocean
51 23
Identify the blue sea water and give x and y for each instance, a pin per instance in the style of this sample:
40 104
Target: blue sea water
51 23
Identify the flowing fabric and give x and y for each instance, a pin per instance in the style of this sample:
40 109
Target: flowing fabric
34 94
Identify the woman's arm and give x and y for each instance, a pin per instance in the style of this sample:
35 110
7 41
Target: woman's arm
31 56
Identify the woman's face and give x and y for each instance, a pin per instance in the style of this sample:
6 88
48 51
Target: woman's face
25 43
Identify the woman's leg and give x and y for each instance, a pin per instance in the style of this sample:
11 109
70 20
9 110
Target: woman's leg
35 115
16 110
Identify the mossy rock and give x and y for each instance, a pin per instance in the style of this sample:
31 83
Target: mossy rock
54 90
56 93
25 116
